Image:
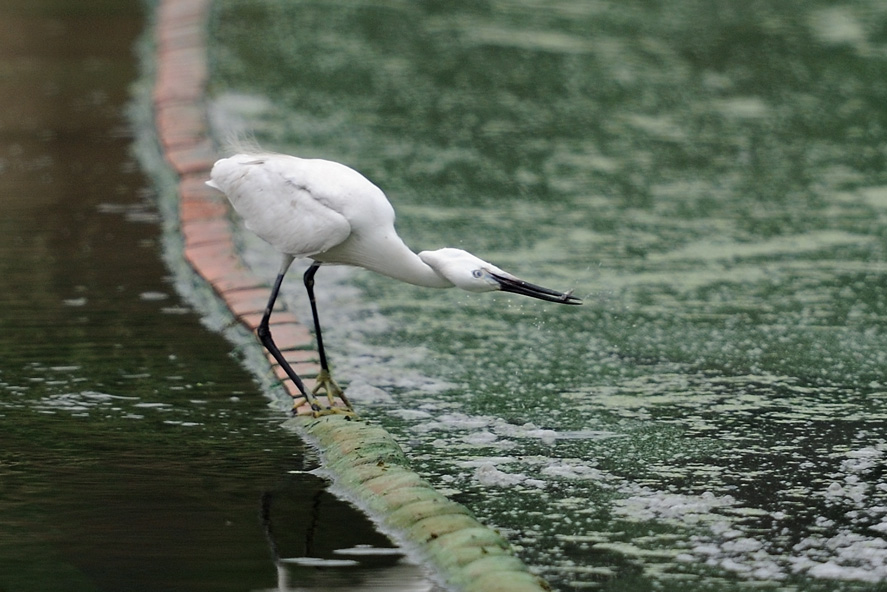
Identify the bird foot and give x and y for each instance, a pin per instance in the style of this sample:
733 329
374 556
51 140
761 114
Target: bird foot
327 386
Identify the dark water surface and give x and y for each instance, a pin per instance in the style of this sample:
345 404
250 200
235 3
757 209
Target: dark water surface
135 452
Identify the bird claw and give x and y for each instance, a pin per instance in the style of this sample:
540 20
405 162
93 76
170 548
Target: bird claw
300 401
324 383
327 386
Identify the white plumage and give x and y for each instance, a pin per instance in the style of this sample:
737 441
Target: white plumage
332 214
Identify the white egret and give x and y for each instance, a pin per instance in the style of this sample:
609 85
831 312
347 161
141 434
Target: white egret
332 214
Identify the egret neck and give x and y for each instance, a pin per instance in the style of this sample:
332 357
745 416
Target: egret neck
388 256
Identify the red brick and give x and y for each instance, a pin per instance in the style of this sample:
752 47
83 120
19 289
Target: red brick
182 34
252 320
238 279
212 261
180 124
212 230
198 158
207 252
221 267
298 356
193 187
243 302
304 370
182 10
179 78
182 60
202 210
292 336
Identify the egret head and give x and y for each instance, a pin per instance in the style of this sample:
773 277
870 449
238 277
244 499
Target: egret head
470 273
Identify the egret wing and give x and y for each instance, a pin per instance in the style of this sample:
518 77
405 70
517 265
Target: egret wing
279 208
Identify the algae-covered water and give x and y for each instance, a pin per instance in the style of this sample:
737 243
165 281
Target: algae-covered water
708 176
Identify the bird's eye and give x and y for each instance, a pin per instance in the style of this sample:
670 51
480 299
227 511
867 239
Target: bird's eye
477 273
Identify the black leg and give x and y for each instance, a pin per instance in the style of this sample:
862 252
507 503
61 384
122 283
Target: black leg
331 387
264 333
309 287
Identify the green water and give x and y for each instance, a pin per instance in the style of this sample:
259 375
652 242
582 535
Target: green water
710 178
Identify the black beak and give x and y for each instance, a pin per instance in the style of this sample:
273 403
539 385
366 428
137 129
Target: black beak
517 286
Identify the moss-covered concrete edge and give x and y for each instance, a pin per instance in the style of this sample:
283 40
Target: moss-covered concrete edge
363 462
369 469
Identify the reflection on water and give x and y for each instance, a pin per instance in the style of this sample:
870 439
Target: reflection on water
711 179
135 452
312 556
